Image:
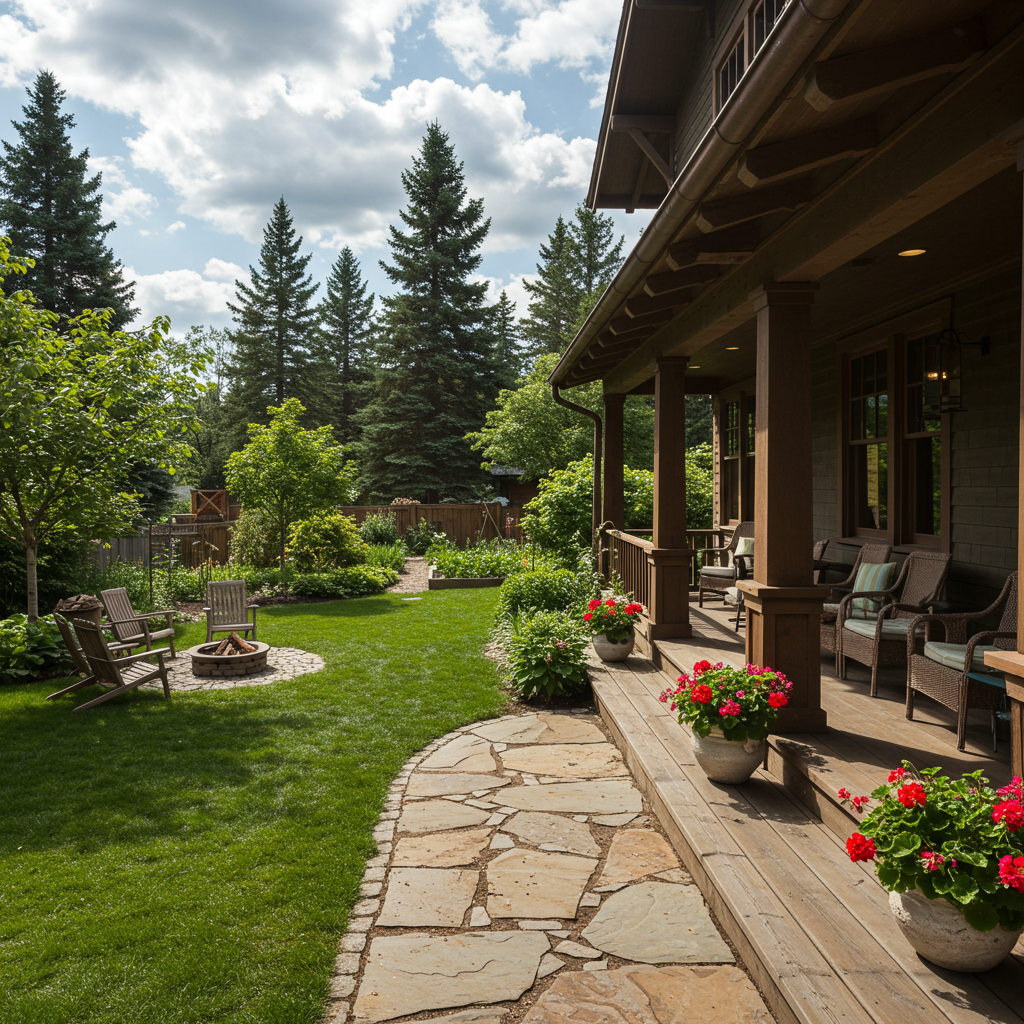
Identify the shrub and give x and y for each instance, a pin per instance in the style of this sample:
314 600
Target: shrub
255 540
134 577
30 651
390 556
325 541
487 558
546 652
548 590
190 584
419 538
379 529
354 581
65 567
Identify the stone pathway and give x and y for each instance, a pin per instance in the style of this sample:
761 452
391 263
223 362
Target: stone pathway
520 877
282 663
413 579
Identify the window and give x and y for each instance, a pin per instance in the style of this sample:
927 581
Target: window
755 25
894 443
731 461
736 459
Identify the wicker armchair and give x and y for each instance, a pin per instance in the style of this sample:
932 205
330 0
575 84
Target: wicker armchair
869 554
947 671
882 640
717 579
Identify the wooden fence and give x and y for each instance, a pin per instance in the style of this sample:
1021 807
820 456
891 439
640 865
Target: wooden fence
122 549
461 524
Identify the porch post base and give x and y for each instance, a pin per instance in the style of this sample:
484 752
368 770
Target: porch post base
669 611
784 631
1011 663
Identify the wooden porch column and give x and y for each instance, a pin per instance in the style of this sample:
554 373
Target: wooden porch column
670 558
783 605
1012 663
614 491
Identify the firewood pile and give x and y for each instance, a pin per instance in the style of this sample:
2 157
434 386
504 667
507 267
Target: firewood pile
404 501
234 644
78 603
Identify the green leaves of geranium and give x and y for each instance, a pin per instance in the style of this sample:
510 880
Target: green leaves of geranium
904 844
982 916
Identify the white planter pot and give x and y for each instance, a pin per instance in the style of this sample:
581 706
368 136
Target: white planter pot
607 651
725 760
939 933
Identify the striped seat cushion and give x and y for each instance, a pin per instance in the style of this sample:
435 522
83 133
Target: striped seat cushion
873 576
892 629
952 655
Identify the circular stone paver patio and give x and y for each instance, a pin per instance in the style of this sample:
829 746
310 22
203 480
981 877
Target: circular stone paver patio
282 663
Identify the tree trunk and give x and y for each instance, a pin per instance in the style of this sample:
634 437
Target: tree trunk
30 573
283 526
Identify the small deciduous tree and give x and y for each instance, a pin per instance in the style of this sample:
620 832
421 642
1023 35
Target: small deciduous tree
79 408
288 472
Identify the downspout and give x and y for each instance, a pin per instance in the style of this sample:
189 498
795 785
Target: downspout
791 42
596 524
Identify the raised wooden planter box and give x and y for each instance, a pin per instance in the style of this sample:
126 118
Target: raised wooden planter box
437 582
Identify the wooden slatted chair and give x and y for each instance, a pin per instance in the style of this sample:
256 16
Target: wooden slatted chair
227 609
124 673
80 660
131 628
869 554
882 639
717 579
953 670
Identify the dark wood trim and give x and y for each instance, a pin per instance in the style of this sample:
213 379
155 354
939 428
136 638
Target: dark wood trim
722 213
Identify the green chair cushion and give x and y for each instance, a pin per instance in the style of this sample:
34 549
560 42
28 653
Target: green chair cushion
892 629
952 655
873 576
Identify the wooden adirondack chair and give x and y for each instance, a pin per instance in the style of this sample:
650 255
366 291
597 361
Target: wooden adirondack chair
132 628
123 674
80 660
227 609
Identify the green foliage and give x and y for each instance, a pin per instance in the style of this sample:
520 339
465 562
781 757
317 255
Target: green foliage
486 558
78 407
946 838
52 212
355 581
287 472
30 650
327 540
389 556
436 375
546 589
255 539
65 567
700 487
190 584
529 430
508 352
419 537
613 617
215 436
134 577
379 528
546 652
154 486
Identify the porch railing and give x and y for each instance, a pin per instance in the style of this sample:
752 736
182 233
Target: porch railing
628 554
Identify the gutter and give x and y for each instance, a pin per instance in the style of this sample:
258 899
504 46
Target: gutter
801 27
597 455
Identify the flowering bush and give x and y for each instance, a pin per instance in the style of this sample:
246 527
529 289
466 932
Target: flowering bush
545 652
957 840
613 618
742 702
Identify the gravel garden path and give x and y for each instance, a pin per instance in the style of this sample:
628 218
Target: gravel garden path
520 876
413 579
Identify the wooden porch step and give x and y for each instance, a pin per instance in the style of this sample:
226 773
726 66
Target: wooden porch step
813 928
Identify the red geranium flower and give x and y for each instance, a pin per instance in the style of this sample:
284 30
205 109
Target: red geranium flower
594 604
701 694
1011 872
896 774
610 602
1011 812
587 616
701 667
911 794
843 794
1013 789
777 700
860 847
858 802
730 707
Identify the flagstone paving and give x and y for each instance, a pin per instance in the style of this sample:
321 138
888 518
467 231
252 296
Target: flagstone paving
520 880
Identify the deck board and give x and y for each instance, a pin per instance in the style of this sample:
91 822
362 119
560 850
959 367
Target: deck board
814 929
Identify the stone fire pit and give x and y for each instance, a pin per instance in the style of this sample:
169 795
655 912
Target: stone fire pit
205 662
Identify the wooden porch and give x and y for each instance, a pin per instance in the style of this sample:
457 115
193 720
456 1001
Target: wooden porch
813 928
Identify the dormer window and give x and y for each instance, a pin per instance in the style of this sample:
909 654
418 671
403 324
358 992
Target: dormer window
749 37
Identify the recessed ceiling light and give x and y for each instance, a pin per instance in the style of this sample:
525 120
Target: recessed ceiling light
913 252
732 348
694 366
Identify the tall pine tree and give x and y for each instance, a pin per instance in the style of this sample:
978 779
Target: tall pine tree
52 213
435 376
507 350
276 324
595 253
342 364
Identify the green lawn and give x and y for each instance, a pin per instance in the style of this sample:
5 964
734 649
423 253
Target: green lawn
195 860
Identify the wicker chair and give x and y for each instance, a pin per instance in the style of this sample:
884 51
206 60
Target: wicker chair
883 640
869 554
80 660
227 609
717 579
129 627
947 671
124 673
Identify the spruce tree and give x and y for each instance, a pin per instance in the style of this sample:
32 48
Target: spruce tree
594 252
276 324
52 213
434 380
343 356
555 295
507 351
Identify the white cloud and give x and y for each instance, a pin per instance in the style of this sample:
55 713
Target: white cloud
178 225
513 288
186 296
221 270
127 203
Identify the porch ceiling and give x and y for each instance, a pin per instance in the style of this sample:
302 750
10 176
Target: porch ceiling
780 212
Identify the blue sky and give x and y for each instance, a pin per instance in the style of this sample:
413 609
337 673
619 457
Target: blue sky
200 114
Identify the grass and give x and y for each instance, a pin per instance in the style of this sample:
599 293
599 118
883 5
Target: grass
195 860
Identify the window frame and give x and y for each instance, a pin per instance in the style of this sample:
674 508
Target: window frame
741 29
745 398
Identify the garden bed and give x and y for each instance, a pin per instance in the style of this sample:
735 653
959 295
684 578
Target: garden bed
435 581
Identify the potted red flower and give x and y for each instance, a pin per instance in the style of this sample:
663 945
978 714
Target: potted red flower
731 711
951 854
611 624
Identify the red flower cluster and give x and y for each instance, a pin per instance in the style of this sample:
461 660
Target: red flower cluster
896 774
730 707
911 795
701 667
1013 790
858 802
587 616
934 861
1011 872
843 794
777 700
701 694
1011 812
860 847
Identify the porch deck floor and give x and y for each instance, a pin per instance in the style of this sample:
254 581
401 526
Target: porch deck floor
813 928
